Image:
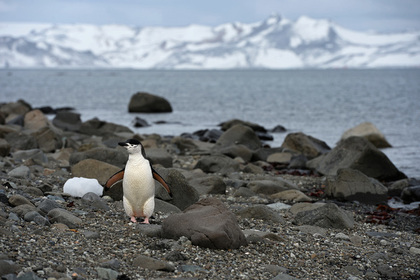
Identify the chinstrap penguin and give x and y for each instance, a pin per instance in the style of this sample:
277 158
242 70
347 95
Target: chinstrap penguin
138 182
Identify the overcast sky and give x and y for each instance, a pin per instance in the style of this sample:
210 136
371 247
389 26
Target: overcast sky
363 15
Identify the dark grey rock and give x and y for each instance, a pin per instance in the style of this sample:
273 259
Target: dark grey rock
209 184
268 187
411 194
34 216
63 216
261 212
359 154
238 135
208 223
20 172
67 120
47 205
350 184
8 267
142 102
106 273
159 156
93 201
116 157
183 194
217 164
326 216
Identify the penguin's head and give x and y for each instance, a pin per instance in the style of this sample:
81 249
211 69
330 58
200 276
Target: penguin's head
133 146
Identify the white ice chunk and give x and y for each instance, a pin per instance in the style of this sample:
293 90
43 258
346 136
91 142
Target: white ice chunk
79 186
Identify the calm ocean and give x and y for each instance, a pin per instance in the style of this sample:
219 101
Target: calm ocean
320 103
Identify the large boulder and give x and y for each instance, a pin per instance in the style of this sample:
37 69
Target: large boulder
359 154
269 187
207 223
116 157
217 163
238 135
305 144
67 121
103 128
369 131
350 184
231 123
143 102
183 194
92 168
328 215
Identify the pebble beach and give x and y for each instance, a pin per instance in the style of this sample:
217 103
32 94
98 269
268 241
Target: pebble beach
96 240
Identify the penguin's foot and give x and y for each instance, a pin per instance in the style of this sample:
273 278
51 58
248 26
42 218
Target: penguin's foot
133 219
146 221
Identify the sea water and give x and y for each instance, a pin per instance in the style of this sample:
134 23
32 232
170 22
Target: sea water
320 103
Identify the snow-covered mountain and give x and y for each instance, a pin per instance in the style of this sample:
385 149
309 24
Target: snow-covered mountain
275 43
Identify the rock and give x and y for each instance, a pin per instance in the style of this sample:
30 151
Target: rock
359 154
207 223
59 215
326 216
217 164
92 168
165 207
369 131
47 205
4 148
236 135
21 141
411 194
283 157
350 185
183 194
208 184
35 120
22 209
34 216
302 207
269 187
184 144
20 172
235 151
8 267
305 144
103 128
396 188
209 135
142 102
231 123
67 121
244 192
261 212
17 199
48 139
35 155
278 129
263 153
152 264
159 156
20 107
106 273
116 157
139 122
292 195
93 201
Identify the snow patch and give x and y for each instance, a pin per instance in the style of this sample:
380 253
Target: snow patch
79 186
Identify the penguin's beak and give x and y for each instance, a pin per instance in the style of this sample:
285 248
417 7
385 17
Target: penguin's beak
122 144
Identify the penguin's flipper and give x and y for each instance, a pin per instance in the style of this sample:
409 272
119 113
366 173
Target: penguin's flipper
159 178
115 179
